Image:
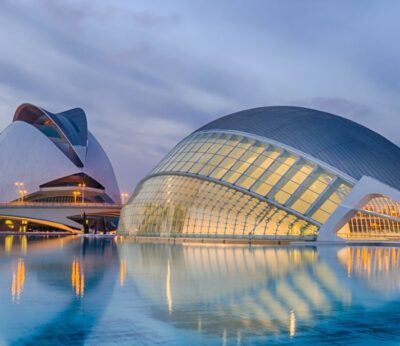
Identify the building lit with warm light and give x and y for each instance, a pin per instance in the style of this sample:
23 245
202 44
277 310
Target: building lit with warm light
52 171
285 173
274 289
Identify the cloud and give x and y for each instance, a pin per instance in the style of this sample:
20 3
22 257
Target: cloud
148 73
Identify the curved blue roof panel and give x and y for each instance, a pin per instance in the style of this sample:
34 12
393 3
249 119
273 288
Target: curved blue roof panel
341 143
71 126
74 125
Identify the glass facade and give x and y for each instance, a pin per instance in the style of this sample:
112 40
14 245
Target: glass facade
186 206
227 184
378 219
262 168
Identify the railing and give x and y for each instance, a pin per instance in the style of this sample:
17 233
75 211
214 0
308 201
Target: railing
371 236
59 204
310 237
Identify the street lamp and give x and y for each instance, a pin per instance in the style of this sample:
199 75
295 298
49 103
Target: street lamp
82 186
19 185
123 196
23 194
75 194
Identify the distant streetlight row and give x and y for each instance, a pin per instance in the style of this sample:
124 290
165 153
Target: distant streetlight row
22 193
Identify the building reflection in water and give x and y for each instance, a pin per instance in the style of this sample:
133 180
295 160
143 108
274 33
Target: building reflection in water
24 245
18 281
41 281
16 244
225 292
380 267
292 323
235 291
77 278
122 271
8 243
168 287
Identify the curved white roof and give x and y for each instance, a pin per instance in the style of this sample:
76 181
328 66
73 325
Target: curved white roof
33 153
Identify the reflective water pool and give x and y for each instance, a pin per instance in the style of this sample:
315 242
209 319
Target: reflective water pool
101 291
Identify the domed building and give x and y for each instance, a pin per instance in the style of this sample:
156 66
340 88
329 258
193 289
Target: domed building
52 159
282 173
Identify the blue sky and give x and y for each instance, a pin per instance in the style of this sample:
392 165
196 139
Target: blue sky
147 73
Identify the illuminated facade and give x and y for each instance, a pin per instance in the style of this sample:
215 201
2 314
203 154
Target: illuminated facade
378 219
266 173
50 163
279 290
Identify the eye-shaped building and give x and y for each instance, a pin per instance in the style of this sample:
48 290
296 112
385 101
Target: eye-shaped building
272 173
50 167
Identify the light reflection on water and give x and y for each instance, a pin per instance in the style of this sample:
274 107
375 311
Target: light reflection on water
77 290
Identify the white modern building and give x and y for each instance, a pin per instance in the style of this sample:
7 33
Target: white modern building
52 170
284 173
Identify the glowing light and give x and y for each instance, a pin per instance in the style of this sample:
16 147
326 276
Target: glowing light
168 288
24 244
18 281
75 194
122 271
22 194
199 324
8 243
9 224
77 278
82 186
292 323
23 226
124 195
19 185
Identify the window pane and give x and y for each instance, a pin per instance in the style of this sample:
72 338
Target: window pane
300 206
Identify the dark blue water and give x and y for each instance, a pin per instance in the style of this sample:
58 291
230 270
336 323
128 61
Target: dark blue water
80 291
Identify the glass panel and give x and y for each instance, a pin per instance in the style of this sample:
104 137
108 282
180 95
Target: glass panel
318 186
281 197
261 188
225 150
245 182
258 147
297 227
184 206
300 206
228 162
196 167
264 169
236 153
255 172
302 174
186 166
290 187
285 225
340 193
231 177
214 148
216 160
331 203
207 169
320 216
263 162
329 206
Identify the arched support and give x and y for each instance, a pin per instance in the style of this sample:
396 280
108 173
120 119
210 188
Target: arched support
366 189
57 215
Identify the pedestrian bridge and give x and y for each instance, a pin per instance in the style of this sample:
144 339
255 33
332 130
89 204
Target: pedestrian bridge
61 216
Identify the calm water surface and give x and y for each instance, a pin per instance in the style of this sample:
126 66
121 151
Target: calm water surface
101 291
